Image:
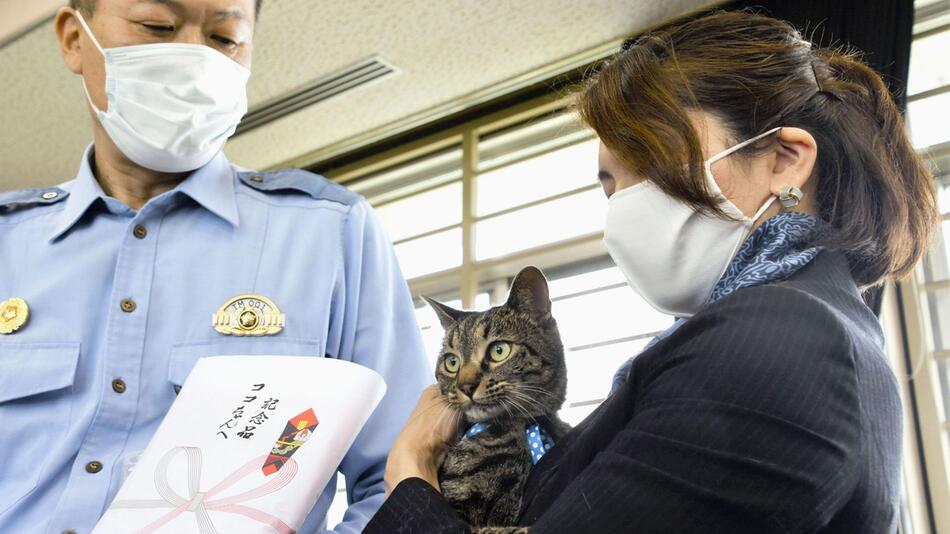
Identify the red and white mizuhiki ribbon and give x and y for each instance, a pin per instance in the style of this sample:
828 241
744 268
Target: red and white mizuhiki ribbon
202 502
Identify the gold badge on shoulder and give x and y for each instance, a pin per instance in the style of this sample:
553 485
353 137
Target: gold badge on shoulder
248 315
13 315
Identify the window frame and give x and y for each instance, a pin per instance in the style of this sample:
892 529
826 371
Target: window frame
474 275
909 333
927 438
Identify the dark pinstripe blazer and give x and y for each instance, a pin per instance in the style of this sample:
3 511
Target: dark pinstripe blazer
771 410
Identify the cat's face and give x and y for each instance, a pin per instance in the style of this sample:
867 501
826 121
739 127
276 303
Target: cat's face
506 361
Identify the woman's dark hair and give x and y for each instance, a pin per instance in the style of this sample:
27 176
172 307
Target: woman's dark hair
755 73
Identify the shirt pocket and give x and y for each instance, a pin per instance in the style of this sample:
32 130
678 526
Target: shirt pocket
185 355
36 404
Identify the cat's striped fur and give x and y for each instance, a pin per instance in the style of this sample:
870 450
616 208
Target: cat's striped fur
504 367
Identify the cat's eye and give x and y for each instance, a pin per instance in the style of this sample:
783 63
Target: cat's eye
499 351
452 363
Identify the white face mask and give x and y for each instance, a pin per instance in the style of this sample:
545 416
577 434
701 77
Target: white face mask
671 254
171 106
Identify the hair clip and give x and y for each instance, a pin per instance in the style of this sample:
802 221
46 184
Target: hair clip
814 72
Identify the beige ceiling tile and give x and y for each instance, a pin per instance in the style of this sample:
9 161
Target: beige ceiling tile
445 51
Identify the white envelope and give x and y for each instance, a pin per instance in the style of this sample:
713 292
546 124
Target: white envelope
247 447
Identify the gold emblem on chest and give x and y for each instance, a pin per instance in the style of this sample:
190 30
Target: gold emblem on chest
14 313
248 315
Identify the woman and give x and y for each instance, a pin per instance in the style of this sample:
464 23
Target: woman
756 186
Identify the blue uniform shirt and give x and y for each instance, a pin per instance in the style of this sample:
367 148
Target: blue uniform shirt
74 255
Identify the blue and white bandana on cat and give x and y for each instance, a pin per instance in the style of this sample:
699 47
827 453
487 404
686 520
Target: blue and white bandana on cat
539 441
774 252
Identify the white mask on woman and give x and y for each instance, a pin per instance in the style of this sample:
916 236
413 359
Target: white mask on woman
670 253
171 106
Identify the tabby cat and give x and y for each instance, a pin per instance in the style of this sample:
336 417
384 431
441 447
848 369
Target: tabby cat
503 370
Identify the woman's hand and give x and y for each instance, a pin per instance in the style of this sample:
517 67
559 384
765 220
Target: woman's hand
420 448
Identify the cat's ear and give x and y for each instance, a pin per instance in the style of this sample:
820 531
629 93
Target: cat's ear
447 316
529 293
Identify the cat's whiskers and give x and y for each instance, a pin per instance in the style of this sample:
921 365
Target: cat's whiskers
523 407
481 412
551 402
536 389
517 405
531 402
507 411
545 405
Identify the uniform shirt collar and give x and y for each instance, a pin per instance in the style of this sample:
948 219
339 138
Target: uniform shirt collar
211 186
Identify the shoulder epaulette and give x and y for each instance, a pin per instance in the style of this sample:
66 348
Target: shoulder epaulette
308 183
25 198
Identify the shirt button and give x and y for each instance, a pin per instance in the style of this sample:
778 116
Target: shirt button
50 195
139 231
127 305
93 467
257 178
118 385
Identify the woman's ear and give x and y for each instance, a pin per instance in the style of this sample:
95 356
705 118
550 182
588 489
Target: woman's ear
795 158
67 33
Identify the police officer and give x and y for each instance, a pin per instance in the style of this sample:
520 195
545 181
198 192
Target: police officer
113 284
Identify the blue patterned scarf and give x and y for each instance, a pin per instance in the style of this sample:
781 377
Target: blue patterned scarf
774 252
539 441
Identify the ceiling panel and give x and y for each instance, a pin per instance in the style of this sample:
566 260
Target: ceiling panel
447 53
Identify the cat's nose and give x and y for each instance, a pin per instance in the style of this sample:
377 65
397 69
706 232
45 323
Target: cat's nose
468 389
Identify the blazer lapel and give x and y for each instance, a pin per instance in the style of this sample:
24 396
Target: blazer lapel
572 453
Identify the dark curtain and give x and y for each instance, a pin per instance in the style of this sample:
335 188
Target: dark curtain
882 29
